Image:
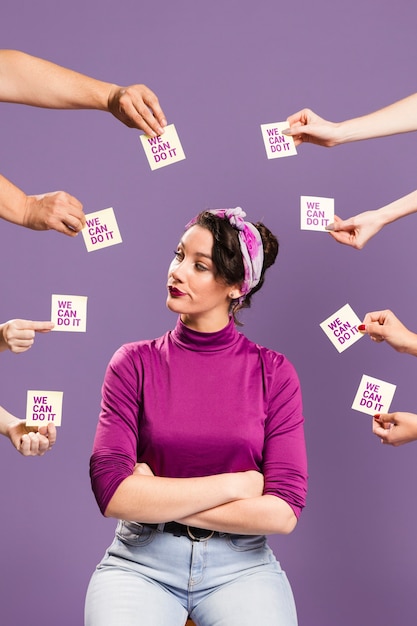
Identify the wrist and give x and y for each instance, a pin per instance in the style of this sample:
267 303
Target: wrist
236 486
411 347
112 97
383 216
346 132
342 133
3 344
7 421
29 208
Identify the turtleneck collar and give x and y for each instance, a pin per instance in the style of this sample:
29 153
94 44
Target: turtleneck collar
205 342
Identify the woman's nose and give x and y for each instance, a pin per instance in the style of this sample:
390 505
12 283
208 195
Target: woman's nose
177 270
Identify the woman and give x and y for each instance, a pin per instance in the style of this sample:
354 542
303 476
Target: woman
215 423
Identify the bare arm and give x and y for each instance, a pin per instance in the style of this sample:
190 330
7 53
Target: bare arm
357 231
399 117
263 515
26 79
57 210
258 515
154 499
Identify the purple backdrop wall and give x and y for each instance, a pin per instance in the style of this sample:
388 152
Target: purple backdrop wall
220 70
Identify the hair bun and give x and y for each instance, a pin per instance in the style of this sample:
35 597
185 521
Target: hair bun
270 244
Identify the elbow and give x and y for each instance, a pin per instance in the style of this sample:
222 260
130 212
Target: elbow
289 524
107 512
111 510
284 526
284 520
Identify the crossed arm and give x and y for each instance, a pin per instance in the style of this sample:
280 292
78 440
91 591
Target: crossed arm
225 502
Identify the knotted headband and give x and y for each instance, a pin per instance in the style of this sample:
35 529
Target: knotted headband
250 244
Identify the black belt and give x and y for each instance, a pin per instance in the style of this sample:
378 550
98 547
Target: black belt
180 530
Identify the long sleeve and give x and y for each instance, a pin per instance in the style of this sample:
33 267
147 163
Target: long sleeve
284 454
115 445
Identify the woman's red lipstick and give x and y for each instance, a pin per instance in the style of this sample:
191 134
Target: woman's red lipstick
176 293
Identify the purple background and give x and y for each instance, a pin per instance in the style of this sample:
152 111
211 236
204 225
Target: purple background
220 70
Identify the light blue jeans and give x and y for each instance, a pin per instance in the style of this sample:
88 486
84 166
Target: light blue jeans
151 578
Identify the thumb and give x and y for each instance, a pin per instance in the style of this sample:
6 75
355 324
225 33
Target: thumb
340 225
375 328
384 418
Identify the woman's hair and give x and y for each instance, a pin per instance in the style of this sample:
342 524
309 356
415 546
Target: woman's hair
227 255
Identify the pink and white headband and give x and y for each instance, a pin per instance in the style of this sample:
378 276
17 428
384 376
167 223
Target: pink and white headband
250 244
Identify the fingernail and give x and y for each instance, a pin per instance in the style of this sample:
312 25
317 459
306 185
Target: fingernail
376 416
362 328
330 227
286 131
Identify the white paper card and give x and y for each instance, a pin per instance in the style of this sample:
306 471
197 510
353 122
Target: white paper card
373 396
277 145
342 328
44 407
101 230
164 149
316 212
69 313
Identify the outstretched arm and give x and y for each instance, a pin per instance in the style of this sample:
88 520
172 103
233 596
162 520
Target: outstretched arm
26 79
399 117
50 211
357 231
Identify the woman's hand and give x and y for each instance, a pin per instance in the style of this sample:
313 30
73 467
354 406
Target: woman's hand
19 335
385 326
395 429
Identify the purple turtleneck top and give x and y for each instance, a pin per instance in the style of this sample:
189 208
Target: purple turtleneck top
198 404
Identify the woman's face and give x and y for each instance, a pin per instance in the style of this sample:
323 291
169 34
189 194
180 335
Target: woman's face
194 291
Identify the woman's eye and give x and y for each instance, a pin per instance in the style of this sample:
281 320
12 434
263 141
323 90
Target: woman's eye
200 267
177 254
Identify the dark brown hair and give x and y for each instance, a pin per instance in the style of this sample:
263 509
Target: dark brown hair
227 256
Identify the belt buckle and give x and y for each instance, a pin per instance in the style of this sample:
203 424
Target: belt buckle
194 538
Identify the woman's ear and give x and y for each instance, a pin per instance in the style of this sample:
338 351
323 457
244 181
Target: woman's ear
235 293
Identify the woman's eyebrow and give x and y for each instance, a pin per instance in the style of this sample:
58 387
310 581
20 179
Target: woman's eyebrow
206 256
203 254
